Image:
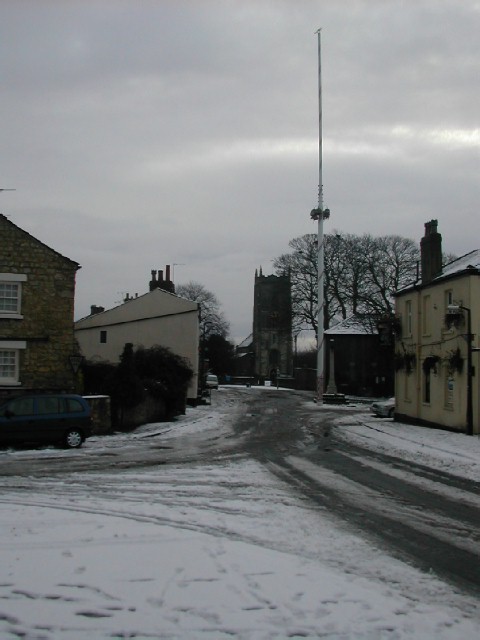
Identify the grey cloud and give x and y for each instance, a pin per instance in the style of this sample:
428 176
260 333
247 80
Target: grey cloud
142 132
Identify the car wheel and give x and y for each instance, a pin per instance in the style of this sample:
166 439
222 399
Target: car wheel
73 439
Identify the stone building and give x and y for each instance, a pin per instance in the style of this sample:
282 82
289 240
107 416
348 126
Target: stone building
272 326
38 351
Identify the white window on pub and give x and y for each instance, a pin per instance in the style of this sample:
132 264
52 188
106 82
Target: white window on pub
426 314
448 298
408 317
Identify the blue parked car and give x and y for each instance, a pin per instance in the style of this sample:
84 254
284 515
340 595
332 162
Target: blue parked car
54 419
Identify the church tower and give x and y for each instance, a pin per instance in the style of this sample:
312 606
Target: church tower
272 326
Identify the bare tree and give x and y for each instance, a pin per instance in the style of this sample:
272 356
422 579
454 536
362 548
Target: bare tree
391 264
212 318
301 264
345 272
361 275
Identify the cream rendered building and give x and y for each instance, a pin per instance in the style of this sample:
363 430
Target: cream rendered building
155 318
438 327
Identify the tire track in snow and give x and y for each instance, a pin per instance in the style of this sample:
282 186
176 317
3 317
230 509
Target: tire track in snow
415 534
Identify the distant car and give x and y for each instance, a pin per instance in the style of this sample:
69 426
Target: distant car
54 419
384 408
211 382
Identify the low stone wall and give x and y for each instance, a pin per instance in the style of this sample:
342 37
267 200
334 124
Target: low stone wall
101 413
149 410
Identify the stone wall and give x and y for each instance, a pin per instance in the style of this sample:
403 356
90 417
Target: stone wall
47 310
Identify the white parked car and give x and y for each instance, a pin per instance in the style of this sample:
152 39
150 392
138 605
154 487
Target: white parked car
384 408
212 381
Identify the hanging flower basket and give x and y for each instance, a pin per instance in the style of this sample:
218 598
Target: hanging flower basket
430 363
410 362
455 361
399 361
405 361
454 319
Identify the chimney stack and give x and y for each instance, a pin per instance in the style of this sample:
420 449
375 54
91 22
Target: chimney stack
160 283
431 252
94 309
153 281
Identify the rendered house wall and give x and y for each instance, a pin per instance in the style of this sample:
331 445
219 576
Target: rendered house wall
156 318
424 334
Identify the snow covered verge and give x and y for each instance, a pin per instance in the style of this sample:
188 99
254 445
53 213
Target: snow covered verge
215 551
455 453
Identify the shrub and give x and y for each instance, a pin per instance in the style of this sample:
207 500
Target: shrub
156 372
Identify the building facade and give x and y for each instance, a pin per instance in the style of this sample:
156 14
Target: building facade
436 358
38 351
363 362
158 317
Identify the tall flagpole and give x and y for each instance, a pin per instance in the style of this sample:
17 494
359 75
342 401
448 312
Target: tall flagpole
320 214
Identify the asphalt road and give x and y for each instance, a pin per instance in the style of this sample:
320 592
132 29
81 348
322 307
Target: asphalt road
428 518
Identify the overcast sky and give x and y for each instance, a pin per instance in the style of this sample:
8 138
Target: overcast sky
140 133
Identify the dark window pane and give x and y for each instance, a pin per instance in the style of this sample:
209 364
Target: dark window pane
73 405
21 407
49 405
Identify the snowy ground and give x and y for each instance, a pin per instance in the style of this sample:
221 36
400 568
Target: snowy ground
220 551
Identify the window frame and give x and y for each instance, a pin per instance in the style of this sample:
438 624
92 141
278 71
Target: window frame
408 318
426 315
13 279
448 296
12 346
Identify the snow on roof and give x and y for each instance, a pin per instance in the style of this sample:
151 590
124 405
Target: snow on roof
246 342
468 261
354 325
